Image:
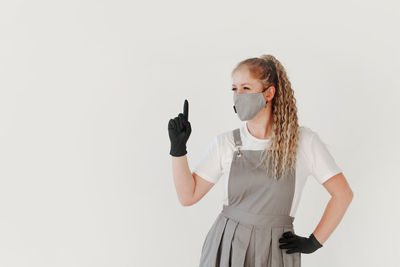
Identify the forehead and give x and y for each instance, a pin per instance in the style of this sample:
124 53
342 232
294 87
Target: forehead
242 76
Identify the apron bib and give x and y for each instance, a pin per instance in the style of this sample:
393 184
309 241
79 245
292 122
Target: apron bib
247 231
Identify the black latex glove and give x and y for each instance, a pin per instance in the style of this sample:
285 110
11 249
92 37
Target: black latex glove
179 130
295 243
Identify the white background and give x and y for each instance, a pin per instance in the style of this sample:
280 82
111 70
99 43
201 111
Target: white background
88 88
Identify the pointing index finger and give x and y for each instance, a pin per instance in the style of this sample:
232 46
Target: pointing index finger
186 109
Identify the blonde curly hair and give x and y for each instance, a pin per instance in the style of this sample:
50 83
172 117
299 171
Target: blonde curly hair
279 157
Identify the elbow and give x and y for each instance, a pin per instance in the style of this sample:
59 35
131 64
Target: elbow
351 195
348 196
186 203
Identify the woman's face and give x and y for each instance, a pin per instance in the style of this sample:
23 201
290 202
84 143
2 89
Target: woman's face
244 83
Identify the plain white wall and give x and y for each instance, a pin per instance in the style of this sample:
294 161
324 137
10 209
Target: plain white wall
88 88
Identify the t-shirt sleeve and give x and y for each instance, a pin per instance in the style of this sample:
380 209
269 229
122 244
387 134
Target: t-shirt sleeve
209 164
323 165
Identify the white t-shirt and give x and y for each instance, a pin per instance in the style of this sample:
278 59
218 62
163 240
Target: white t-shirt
313 158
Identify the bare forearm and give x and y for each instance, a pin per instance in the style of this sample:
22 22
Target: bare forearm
332 216
183 179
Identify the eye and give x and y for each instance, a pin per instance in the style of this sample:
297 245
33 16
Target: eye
247 88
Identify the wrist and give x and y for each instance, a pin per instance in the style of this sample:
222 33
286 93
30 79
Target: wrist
315 241
178 152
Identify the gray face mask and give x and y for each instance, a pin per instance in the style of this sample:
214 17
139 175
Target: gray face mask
248 105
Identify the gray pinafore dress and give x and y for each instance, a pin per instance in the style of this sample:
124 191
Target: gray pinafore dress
247 231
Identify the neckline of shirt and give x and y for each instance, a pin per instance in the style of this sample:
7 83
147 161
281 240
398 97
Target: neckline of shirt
251 137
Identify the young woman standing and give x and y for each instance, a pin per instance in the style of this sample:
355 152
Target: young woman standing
263 164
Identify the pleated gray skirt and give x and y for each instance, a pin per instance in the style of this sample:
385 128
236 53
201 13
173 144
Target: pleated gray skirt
238 239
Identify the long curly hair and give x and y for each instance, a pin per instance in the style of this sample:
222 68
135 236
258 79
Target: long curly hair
279 157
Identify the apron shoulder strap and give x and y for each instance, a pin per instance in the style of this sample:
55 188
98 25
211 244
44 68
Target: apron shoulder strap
236 137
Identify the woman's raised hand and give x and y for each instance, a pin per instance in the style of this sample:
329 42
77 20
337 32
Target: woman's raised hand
179 130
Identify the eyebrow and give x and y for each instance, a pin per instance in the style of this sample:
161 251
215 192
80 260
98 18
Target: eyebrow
242 84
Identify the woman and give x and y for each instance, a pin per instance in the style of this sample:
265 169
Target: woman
264 165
